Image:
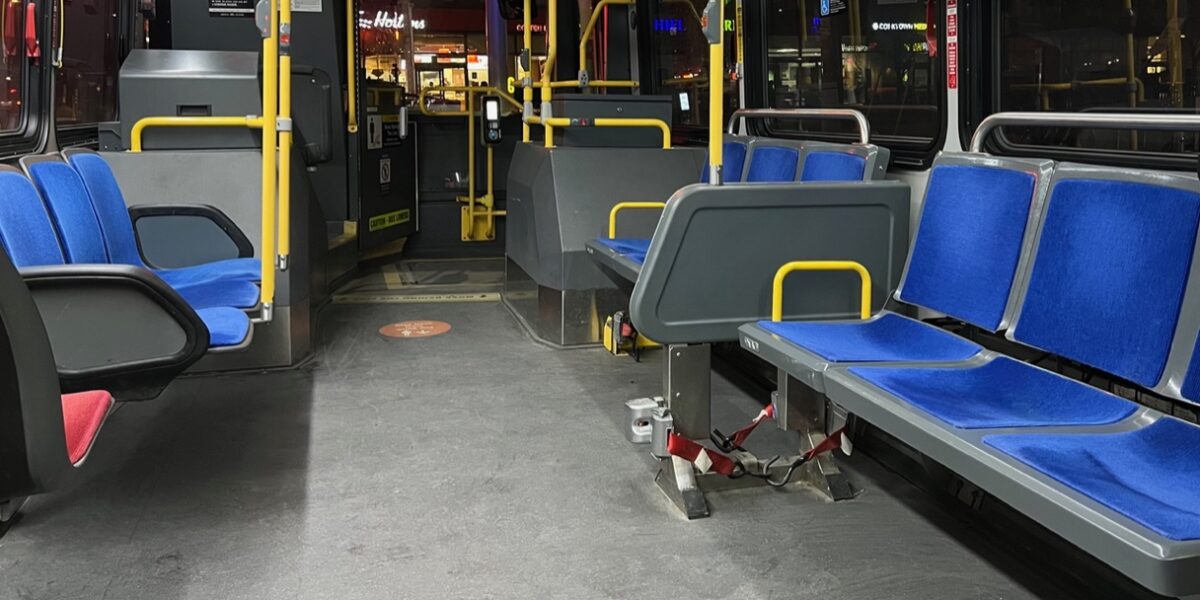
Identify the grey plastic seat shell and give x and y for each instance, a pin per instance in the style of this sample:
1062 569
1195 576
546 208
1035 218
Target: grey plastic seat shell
717 248
875 168
1162 565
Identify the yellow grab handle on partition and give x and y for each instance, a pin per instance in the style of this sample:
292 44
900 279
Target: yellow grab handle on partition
612 215
140 127
820 265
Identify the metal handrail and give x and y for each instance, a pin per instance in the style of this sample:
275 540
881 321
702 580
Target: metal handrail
659 124
1091 120
140 127
489 90
864 126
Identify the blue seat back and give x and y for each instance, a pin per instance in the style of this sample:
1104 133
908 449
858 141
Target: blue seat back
772 163
831 165
25 228
109 205
967 251
734 159
1111 266
70 209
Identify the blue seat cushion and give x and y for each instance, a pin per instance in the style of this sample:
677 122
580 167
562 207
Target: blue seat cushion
734 161
234 293
1150 475
632 249
888 338
772 164
833 166
26 231
245 269
1108 281
1001 393
70 208
109 204
226 326
964 259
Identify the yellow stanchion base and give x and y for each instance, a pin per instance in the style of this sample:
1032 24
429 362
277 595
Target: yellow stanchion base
480 226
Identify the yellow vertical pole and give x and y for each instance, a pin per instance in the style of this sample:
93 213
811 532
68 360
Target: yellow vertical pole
716 94
1131 74
548 68
351 71
527 78
469 217
270 112
1174 54
285 133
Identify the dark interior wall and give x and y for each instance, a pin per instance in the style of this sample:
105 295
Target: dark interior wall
317 41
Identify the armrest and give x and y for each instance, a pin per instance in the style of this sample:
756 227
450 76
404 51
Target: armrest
212 213
115 327
717 249
621 206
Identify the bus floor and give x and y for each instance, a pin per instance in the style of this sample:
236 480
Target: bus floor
471 465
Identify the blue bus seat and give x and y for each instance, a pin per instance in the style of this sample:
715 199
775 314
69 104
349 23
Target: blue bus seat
771 160
966 272
735 149
28 236
1149 475
83 241
108 202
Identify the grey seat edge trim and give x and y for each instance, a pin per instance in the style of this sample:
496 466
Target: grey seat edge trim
618 263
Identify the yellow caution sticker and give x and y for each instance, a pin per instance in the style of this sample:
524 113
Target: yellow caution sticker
392 219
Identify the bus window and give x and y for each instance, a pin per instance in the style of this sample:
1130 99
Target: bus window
86 86
1098 55
876 56
680 59
12 111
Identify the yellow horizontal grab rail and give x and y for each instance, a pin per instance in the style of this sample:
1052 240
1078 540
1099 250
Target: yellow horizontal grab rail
622 206
135 143
820 265
660 124
491 91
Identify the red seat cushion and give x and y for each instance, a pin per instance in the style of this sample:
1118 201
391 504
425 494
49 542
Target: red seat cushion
83 414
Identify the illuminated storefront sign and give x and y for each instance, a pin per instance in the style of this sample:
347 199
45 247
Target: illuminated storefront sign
388 20
885 26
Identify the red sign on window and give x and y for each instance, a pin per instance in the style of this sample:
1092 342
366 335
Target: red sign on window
952 44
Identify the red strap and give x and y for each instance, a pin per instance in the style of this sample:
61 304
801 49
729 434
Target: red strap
705 460
739 436
829 444
32 49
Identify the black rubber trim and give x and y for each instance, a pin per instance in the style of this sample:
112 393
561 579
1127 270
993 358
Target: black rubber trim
135 380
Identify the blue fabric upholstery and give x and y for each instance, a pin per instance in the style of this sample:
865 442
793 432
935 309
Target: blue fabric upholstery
1191 380
240 269
1150 475
889 338
109 205
964 259
226 326
207 294
734 161
833 166
25 229
772 164
632 249
121 241
71 210
1001 393
1107 283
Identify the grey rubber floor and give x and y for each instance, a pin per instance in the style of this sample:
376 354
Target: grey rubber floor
474 465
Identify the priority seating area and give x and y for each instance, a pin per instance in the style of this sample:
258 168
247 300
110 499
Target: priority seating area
1094 266
69 211
85 318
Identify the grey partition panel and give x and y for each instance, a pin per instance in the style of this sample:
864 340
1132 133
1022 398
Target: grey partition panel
559 199
714 256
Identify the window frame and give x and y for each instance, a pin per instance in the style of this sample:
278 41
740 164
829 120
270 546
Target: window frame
983 99
85 134
33 135
907 152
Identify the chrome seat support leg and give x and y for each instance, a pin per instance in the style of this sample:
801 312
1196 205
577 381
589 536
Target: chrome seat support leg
802 409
